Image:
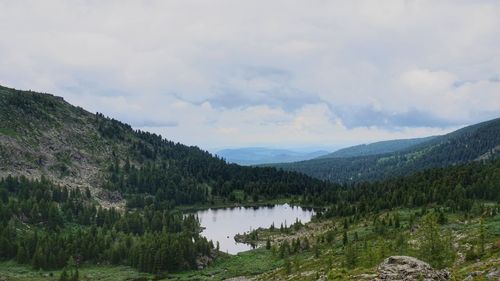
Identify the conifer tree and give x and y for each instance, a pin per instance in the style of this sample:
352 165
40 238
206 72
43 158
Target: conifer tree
482 237
64 275
350 255
288 266
435 247
345 240
316 250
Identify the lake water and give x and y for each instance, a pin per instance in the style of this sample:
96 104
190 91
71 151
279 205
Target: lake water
223 224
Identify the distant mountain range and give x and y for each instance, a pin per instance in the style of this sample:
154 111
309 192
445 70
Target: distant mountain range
262 155
377 161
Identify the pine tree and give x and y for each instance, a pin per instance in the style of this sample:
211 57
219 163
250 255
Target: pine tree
345 240
64 275
22 256
441 218
316 250
350 255
369 254
435 247
55 219
284 249
330 237
400 243
305 244
288 266
38 260
73 269
397 222
482 237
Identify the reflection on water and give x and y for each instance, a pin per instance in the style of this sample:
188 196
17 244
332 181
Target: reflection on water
223 224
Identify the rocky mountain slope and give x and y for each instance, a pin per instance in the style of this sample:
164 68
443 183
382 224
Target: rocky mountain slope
42 135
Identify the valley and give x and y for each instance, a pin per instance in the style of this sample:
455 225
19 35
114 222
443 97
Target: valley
262 155
87 197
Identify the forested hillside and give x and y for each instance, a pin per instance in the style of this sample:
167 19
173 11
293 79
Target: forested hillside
380 147
41 134
457 188
477 142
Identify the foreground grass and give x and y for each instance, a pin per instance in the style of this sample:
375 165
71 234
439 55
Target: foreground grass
248 263
10 270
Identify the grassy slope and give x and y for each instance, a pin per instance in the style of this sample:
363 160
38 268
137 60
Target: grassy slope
250 263
15 272
261 264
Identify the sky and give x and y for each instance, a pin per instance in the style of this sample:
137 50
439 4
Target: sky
275 73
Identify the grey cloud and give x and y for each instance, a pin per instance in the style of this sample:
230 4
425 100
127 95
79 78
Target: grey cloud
252 86
458 84
494 79
367 116
236 98
153 123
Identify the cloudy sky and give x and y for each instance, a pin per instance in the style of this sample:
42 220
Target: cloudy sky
262 73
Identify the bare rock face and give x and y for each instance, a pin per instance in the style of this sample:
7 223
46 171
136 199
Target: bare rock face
110 196
409 268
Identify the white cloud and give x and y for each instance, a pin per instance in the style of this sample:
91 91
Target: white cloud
428 82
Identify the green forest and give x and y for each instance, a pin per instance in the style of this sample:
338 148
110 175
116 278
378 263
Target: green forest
58 224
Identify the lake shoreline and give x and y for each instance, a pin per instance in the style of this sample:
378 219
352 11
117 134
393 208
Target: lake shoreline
222 225
267 203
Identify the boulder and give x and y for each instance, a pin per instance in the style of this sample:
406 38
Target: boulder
409 268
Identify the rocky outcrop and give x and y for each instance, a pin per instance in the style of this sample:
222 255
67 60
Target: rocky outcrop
204 261
494 274
409 268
